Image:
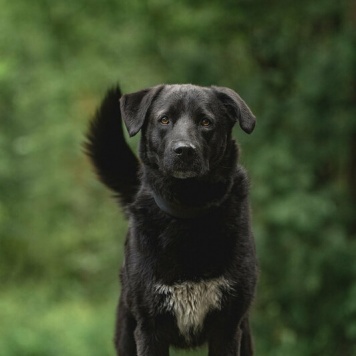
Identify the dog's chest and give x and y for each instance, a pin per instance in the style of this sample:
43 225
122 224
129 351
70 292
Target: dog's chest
190 302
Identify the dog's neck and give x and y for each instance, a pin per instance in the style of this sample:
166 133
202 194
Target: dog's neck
180 211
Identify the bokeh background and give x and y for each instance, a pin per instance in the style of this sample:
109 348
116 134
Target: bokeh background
61 234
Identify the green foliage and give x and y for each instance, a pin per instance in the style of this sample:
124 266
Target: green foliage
37 322
61 237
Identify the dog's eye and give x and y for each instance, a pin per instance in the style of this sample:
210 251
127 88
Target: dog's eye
164 120
205 122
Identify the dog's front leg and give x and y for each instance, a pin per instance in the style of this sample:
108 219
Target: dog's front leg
223 343
148 344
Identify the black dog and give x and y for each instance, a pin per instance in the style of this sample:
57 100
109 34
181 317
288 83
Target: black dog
189 273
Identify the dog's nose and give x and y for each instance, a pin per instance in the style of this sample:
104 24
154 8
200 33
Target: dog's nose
183 149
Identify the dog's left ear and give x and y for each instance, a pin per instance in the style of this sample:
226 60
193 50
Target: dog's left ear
134 108
236 108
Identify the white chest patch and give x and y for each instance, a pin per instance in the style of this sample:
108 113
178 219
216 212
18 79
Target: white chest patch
191 301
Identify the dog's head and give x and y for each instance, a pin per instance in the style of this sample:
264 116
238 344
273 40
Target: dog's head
186 129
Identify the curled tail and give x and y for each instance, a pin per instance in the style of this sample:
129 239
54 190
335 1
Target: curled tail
116 165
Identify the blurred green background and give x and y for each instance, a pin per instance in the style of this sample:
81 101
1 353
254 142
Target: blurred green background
61 235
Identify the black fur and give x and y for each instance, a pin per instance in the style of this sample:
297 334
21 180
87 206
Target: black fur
116 165
189 164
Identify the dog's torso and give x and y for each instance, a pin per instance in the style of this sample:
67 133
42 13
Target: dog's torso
181 272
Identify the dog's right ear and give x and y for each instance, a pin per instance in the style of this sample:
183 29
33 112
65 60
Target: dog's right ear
236 107
134 108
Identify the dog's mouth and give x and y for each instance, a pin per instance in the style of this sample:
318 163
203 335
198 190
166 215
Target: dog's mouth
182 170
184 174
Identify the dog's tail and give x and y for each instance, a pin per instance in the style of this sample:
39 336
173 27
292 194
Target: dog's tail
116 165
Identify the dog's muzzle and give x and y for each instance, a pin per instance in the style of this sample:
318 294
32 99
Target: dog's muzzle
184 150
184 160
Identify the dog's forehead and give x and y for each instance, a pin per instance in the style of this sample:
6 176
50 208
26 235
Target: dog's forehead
186 97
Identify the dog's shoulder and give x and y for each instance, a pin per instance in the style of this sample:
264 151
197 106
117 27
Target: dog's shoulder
241 183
